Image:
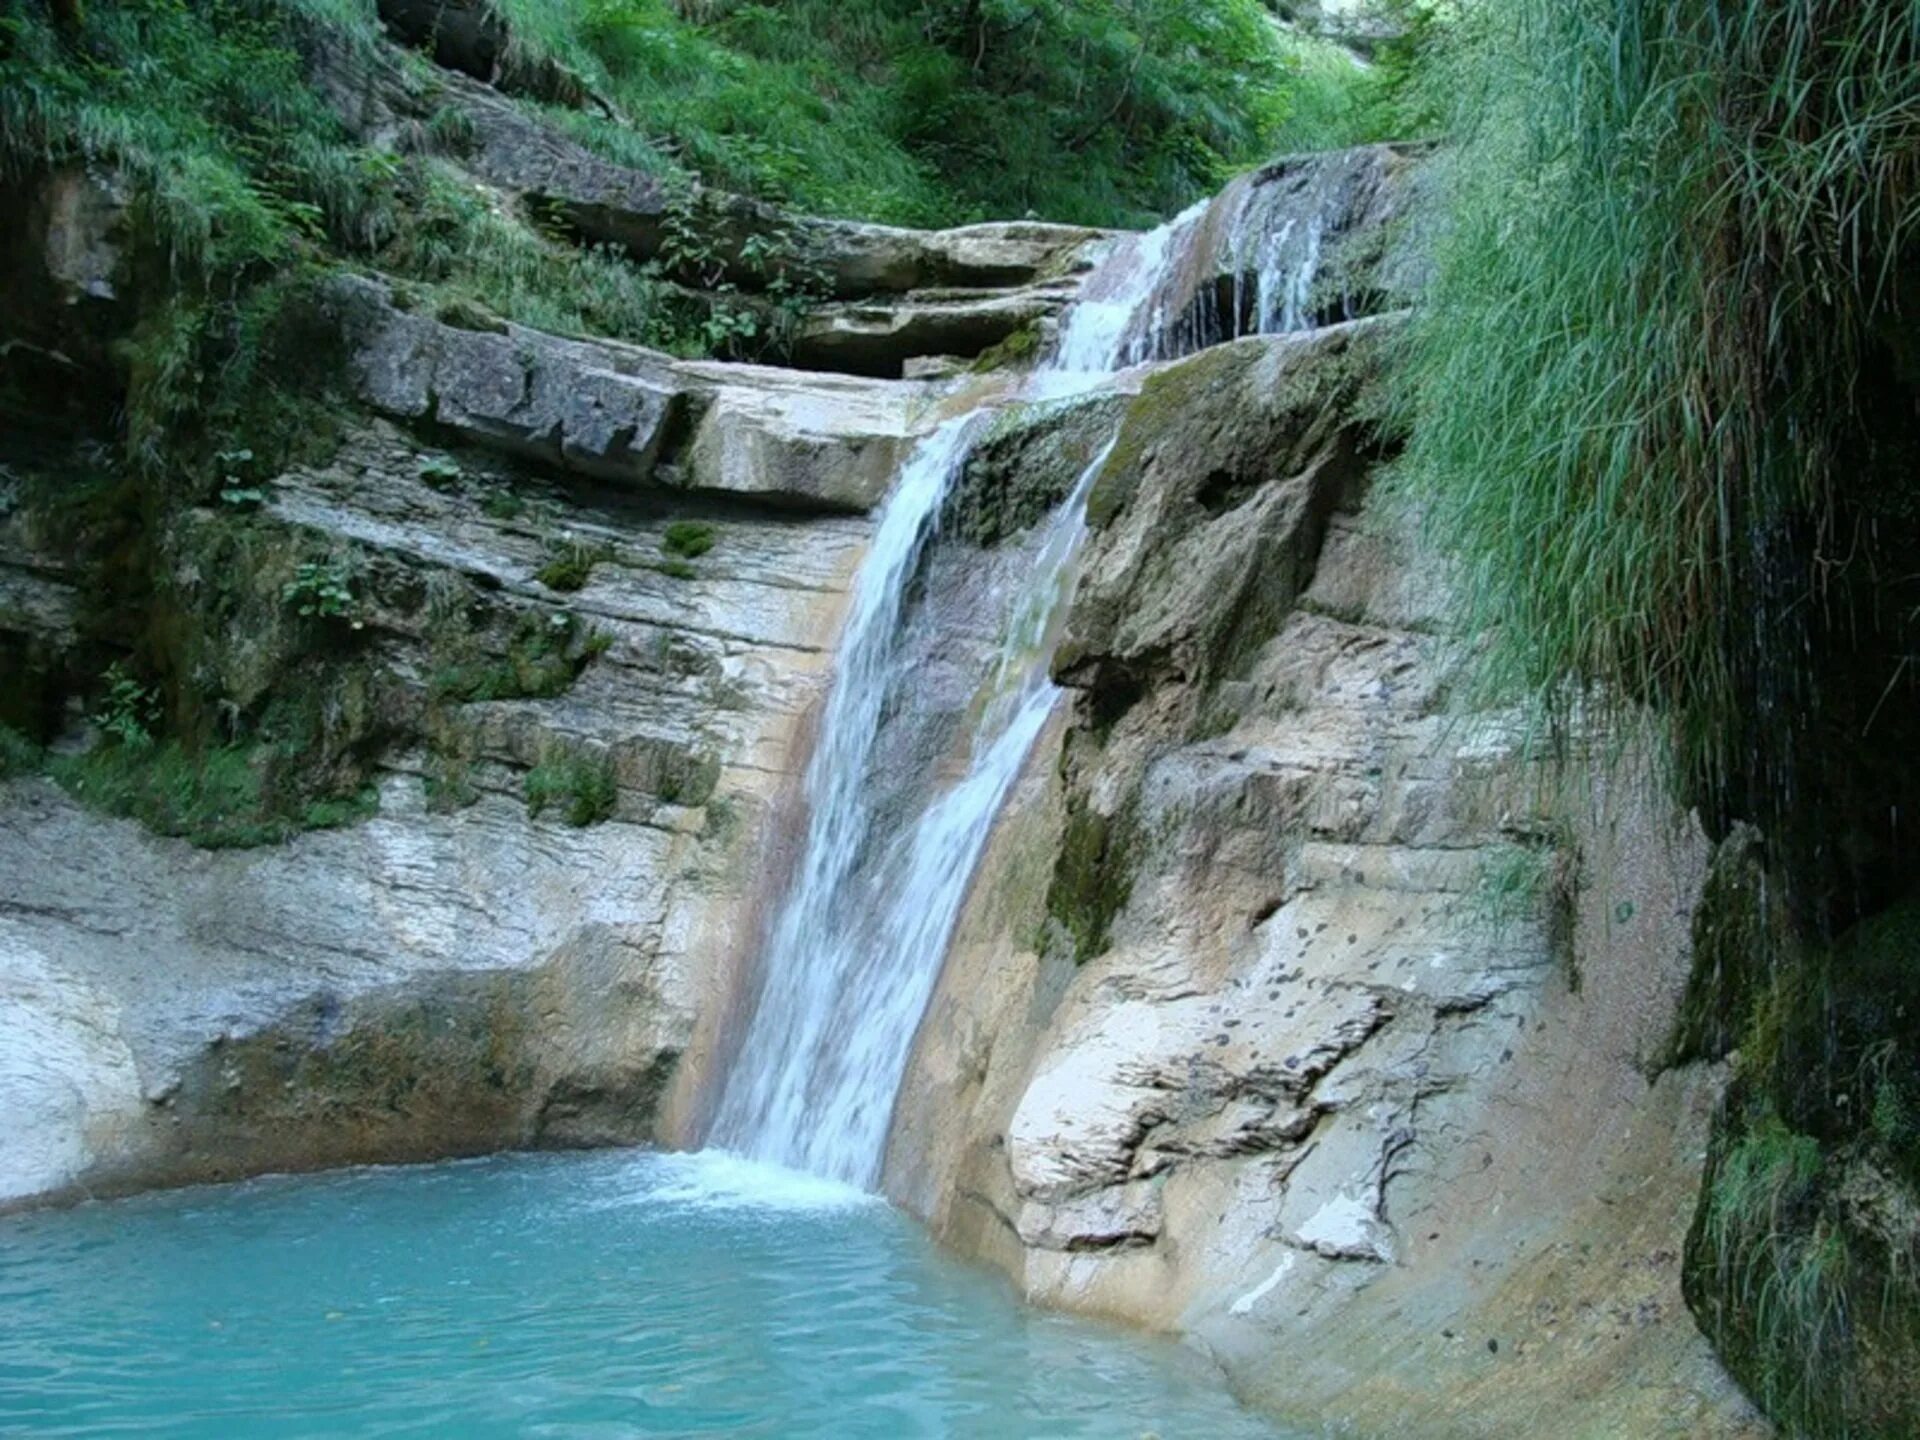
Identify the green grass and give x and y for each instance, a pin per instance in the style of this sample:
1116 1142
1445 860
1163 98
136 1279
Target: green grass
19 754
1672 247
214 798
580 786
942 111
570 566
689 538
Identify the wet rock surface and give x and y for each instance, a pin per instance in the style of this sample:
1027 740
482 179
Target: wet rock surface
1290 1011
454 974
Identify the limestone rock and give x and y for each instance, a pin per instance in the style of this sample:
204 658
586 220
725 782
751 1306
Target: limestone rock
439 979
1350 1063
621 413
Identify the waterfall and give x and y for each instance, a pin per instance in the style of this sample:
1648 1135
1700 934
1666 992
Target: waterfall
859 939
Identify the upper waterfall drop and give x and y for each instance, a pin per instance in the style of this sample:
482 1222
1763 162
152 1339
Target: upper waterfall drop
859 939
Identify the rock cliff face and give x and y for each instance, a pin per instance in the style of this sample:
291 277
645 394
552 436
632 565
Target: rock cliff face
571 580
453 974
1292 1010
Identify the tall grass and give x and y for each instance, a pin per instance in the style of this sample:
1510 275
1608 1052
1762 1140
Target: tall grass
1677 240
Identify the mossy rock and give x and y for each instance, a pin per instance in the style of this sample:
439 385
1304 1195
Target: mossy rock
1025 465
465 314
1803 1264
1092 874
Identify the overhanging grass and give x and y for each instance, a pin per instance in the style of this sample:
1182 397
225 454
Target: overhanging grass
1673 236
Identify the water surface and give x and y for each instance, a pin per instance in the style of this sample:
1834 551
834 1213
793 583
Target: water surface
603 1295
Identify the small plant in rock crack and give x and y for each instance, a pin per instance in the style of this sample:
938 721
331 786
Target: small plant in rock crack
323 590
441 472
128 710
570 564
689 539
238 487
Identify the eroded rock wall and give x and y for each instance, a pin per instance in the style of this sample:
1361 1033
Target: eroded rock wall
1294 1011
455 973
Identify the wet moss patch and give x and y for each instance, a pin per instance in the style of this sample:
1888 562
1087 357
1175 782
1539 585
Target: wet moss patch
1092 875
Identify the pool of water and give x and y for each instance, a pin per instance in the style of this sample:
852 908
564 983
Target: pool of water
613 1294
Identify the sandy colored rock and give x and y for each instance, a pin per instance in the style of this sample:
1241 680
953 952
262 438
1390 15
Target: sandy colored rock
1356 1064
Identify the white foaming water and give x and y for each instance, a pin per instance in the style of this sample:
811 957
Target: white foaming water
718 1180
859 941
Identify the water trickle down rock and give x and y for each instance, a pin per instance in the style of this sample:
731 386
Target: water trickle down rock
1232 1039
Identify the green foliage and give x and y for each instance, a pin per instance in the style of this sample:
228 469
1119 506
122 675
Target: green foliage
580 785
128 710
1804 1260
483 266
214 798
942 111
689 538
234 160
570 566
324 590
543 660
1672 235
441 472
502 504
19 755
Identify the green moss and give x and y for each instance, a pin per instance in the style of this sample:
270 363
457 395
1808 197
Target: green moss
1025 465
686 779
1165 397
1092 875
447 786
1737 933
579 784
215 798
1020 349
1803 1265
545 656
689 538
677 570
465 314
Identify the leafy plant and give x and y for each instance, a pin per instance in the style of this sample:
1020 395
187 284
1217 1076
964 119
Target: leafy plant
441 472
128 710
323 590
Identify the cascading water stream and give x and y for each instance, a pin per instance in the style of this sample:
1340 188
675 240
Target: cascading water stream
858 943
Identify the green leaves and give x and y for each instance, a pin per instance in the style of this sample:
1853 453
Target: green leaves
323 590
